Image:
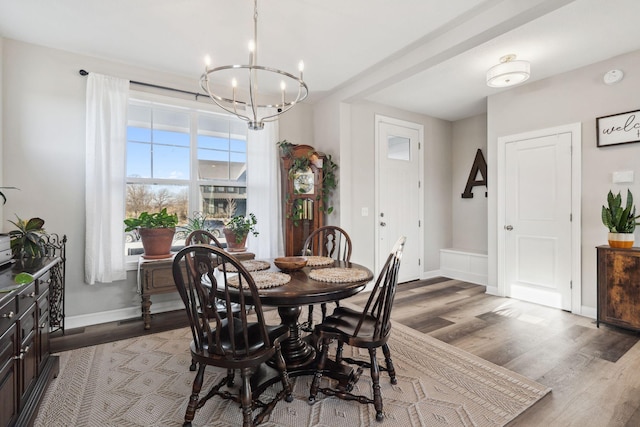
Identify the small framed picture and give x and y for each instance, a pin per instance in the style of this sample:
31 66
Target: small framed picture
619 128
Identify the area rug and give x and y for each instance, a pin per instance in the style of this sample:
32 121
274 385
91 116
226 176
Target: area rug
145 381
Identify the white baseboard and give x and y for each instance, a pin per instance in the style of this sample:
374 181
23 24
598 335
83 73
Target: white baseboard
588 312
72 322
493 290
464 265
430 274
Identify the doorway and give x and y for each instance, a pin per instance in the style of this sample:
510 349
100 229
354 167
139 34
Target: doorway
539 217
399 193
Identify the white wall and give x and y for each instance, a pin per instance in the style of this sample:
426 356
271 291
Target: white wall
469 216
577 96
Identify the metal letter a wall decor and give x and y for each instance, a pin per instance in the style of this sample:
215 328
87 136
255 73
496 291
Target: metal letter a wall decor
479 165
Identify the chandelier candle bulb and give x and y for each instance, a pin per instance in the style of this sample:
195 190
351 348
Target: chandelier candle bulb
252 53
283 86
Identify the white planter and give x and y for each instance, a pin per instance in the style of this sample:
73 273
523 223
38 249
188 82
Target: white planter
621 240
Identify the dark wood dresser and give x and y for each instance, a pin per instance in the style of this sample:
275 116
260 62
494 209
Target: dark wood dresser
619 287
26 365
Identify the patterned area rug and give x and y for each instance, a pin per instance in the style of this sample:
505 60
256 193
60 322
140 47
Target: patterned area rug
145 381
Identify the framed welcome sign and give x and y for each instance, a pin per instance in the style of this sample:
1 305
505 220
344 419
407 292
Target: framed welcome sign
619 128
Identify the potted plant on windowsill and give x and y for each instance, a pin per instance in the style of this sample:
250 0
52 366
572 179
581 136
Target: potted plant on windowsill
156 231
236 231
620 221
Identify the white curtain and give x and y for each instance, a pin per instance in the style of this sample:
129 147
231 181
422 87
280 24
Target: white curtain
263 191
106 139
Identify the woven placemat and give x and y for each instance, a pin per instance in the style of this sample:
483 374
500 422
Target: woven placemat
318 261
250 265
264 279
339 275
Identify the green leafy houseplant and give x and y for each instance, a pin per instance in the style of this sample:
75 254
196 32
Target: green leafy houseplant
27 241
152 220
156 232
241 226
616 218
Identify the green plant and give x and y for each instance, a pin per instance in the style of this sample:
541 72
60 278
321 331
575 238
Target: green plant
241 226
617 219
297 211
329 183
154 220
27 240
286 147
196 222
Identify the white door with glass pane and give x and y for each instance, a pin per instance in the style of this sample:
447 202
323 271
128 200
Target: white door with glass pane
399 193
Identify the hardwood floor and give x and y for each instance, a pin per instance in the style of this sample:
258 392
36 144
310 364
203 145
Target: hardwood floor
594 372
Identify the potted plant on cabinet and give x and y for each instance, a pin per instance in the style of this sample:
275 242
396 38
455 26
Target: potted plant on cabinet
236 231
620 221
27 241
156 232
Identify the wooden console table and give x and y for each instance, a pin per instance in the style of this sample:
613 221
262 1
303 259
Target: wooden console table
155 277
619 287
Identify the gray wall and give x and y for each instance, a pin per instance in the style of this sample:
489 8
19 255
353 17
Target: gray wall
469 216
576 96
357 146
43 147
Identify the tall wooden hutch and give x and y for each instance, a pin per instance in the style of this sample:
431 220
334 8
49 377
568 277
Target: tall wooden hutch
302 177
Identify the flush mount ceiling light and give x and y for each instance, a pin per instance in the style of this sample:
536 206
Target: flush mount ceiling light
508 72
244 100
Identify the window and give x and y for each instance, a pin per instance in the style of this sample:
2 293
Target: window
186 160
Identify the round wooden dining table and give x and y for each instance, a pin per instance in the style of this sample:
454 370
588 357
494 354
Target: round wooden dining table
301 291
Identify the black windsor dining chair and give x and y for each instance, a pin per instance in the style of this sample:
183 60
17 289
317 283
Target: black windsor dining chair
231 342
329 241
369 328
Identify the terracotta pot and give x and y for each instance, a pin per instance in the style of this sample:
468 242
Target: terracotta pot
232 245
157 242
621 240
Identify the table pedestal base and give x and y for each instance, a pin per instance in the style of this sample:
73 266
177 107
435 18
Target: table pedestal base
300 354
296 352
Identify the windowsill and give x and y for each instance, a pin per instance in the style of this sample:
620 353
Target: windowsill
132 261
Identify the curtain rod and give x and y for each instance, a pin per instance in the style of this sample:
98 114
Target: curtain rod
196 94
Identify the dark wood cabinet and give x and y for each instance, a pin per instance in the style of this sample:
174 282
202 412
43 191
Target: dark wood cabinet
8 375
619 287
26 365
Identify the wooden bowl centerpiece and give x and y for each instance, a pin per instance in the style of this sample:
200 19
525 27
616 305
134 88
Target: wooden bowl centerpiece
290 263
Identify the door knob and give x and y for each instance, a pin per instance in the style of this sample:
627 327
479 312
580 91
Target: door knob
508 227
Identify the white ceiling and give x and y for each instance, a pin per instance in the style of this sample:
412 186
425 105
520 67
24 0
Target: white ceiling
427 56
